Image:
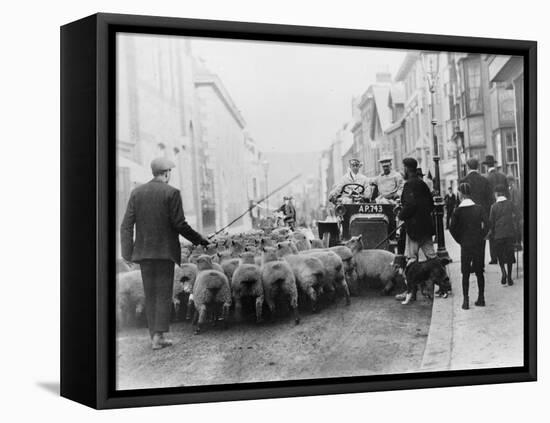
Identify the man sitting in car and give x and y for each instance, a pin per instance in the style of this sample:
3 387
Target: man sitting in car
353 192
389 182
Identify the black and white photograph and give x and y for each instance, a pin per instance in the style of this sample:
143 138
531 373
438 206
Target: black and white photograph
290 211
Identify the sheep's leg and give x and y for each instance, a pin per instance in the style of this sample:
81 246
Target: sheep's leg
344 286
225 313
294 306
195 317
259 307
312 295
176 304
238 309
201 319
271 305
190 308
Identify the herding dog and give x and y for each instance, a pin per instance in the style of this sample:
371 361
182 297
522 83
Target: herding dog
426 274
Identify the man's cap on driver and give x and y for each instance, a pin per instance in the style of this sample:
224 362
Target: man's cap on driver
385 160
354 161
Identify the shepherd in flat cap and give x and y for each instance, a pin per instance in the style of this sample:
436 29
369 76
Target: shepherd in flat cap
352 177
289 212
389 182
155 209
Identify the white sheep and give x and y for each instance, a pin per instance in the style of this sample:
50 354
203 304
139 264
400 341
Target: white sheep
278 282
247 283
211 290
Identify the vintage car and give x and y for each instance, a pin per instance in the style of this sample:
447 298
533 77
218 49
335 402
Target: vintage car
375 221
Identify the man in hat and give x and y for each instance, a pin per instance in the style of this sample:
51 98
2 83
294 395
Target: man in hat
156 211
416 211
289 212
480 188
389 182
352 177
494 176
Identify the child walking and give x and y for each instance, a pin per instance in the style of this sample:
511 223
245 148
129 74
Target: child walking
503 221
468 227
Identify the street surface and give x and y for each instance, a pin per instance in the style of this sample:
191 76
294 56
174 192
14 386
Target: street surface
374 335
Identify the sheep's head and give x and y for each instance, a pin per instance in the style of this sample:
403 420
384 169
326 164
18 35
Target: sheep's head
355 243
247 257
204 262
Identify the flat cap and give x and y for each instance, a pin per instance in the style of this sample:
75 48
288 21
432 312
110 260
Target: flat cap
410 163
385 159
161 164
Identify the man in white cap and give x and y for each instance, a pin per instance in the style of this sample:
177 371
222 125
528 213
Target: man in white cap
352 177
156 211
390 183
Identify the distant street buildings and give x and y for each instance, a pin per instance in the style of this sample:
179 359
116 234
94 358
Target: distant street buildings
478 110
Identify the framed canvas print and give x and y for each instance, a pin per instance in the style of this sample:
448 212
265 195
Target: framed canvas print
257 211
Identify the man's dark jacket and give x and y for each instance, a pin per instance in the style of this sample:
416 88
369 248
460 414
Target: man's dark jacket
156 210
498 178
417 206
481 191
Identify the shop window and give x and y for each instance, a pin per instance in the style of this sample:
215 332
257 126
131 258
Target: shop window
474 101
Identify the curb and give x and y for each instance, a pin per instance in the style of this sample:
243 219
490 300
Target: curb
438 351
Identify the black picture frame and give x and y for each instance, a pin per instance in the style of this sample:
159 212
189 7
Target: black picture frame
88 201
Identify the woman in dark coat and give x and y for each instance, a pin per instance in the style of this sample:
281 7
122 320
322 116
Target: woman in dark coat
503 222
468 227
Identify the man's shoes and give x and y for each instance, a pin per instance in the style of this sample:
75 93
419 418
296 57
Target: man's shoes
503 280
158 342
480 302
165 342
510 281
493 262
465 304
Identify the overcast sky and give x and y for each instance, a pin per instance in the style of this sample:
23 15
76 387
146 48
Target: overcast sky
294 97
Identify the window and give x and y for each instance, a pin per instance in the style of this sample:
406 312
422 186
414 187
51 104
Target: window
510 143
474 101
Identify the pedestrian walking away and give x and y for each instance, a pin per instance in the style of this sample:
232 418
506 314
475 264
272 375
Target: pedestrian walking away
503 222
450 205
155 210
481 192
469 227
495 177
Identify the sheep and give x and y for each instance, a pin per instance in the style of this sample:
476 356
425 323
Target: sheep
228 263
130 298
309 271
301 241
278 281
376 267
334 271
247 283
211 289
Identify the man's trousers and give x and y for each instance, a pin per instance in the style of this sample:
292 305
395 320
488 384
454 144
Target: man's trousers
158 283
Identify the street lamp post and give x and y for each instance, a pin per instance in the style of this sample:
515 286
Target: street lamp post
430 63
265 165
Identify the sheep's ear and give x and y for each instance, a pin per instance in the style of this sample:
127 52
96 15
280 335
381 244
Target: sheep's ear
279 245
233 242
263 249
359 237
217 254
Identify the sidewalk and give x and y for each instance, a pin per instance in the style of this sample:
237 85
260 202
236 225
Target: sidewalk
481 337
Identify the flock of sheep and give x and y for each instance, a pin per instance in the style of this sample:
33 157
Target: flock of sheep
267 273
